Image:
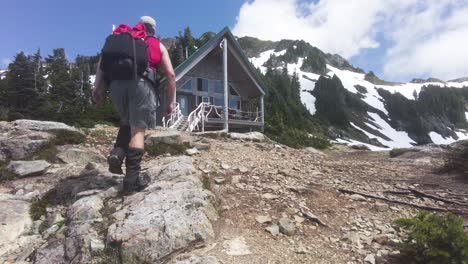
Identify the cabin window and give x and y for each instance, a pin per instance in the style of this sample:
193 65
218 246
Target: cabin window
204 99
234 104
202 85
187 85
232 91
218 87
219 101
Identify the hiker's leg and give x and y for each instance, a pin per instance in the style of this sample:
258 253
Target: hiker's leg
133 162
119 96
120 149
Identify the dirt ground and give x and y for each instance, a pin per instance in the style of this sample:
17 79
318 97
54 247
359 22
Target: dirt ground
264 179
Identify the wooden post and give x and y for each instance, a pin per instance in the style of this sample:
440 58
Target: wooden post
262 109
226 85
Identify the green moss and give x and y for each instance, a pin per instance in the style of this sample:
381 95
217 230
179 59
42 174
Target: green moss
63 138
434 239
162 148
38 208
49 153
5 174
206 182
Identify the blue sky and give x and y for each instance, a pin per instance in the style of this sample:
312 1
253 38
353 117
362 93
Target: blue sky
81 26
397 39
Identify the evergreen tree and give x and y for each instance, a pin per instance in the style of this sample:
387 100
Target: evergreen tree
22 87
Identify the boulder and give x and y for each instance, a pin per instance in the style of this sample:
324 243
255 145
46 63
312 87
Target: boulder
28 168
48 126
20 145
171 214
15 223
287 226
79 156
251 136
168 137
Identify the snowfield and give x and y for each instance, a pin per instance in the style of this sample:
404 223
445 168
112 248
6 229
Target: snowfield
398 139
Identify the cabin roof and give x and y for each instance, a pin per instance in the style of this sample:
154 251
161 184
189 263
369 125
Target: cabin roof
202 52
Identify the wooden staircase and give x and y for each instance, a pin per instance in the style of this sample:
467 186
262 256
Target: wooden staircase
182 124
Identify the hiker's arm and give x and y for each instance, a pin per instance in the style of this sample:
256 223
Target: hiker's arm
166 66
99 85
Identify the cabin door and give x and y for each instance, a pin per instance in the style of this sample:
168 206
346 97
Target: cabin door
183 101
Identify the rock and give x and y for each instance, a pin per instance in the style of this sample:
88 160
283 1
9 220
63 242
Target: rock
14 222
200 145
23 144
171 214
86 209
360 147
225 166
236 179
286 226
198 260
273 229
168 137
96 245
381 239
236 247
219 180
381 207
301 250
48 126
79 156
370 259
315 152
263 219
357 197
251 136
28 168
243 169
270 196
53 252
192 151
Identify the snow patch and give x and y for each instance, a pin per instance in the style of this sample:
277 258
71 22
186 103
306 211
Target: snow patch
439 139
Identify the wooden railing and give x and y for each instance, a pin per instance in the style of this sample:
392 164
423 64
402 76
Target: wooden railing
205 111
174 118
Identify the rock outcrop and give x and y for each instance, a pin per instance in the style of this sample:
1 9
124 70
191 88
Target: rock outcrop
28 168
172 214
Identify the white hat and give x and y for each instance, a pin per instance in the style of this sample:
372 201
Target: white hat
148 21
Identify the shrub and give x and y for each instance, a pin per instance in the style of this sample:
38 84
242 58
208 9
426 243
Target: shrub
434 238
38 208
162 148
400 151
456 160
5 174
63 138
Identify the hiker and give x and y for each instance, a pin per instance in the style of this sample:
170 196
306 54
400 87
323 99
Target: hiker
135 98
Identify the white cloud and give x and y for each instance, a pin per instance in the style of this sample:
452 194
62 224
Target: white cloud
423 37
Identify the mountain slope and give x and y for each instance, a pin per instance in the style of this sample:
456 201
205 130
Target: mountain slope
361 108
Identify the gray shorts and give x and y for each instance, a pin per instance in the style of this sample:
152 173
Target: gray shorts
135 103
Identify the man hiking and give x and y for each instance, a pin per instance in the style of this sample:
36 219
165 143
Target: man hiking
134 98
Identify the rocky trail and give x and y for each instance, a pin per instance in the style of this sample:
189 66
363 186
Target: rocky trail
237 199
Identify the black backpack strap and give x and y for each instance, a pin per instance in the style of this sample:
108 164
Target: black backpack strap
135 66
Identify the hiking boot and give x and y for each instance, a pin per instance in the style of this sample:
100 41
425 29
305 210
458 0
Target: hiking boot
115 160
142 182
133 166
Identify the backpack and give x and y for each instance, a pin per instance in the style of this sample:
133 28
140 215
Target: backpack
123 56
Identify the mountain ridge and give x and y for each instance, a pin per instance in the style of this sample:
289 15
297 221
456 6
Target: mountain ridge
369 109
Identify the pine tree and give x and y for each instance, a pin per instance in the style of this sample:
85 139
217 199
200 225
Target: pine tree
62 92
